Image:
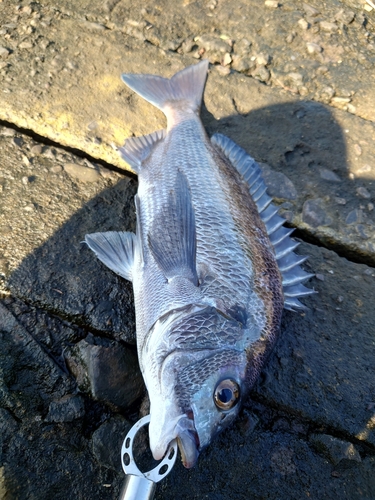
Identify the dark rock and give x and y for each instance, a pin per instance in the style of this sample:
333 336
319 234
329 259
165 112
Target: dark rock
66 409
106 442
334 449
330 384
106 370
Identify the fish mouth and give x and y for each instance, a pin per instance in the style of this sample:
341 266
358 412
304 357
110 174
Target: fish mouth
188 442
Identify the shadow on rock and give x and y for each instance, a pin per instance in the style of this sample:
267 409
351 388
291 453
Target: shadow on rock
305 146
63 276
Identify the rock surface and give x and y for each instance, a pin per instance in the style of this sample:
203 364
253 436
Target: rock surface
290 82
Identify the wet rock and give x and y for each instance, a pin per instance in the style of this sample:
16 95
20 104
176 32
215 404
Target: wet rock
333 346
66 409
50 217
106 370
106 442
314 213
335 449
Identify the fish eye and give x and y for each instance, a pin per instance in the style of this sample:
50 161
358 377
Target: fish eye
226 394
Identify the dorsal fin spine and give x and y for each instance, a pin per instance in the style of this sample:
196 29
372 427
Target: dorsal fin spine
289 263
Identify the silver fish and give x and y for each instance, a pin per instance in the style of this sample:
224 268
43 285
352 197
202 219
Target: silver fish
211 266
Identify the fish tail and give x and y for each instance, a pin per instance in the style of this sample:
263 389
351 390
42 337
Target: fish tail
185 87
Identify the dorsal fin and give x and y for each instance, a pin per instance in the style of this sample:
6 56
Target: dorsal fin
137 149
288 262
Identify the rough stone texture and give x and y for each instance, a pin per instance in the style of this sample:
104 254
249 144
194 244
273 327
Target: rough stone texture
335 449
292 83
66 409
322 369
106 370
44 216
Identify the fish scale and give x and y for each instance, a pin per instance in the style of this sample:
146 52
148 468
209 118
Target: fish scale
212 213
211 266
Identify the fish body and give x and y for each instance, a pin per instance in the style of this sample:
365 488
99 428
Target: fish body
211 266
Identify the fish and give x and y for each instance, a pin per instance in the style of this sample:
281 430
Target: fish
211 265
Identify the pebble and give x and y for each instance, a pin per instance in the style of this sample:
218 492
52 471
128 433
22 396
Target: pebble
314 214
188 45
290 38
226 59
313 48
93 26
370 207
327 26
357 149
263 59
354 216
340 201
271 4
56 169
310 10
345 16
36 150
328 175
363 193
213 43
243 46
302 23
327 92
25 45
340 100
243 64
278 184
261 73
7 132
4 52
81 173
297 78
223 70
365 169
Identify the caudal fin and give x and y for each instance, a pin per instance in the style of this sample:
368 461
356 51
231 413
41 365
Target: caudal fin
186 85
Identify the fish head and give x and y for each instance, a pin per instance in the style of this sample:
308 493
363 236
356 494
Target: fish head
202 381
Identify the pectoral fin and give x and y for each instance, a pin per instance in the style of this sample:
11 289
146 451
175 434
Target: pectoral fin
172 238
115 250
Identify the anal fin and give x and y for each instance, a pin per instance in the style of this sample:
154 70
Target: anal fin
115 250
